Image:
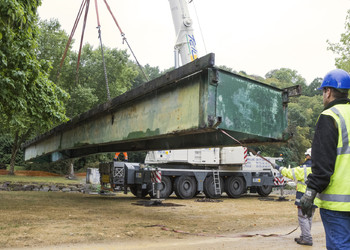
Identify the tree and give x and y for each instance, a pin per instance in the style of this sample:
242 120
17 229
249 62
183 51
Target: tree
286 78
342 49
151 73
223 67
29 102
119 71
311 90
52 41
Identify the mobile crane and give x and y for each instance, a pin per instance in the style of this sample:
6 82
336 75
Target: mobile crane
191 171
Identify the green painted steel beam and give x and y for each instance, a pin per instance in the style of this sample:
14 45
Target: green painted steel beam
185 108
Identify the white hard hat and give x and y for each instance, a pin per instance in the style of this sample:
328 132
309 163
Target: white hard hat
308 151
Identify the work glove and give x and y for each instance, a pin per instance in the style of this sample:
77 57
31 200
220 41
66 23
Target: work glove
307 200
277 167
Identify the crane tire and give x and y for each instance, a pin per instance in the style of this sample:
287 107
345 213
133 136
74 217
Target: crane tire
133 190
166 189
235 186
185 187
264 190
209 188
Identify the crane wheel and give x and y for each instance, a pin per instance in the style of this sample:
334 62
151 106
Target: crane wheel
235 186
209 187
185 187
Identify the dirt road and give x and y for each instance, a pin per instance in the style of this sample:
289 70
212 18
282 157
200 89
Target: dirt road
36 220
230 241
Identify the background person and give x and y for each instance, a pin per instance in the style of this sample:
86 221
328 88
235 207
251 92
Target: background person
299 175
116 156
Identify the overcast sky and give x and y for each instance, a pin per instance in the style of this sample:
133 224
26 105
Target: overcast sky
255 36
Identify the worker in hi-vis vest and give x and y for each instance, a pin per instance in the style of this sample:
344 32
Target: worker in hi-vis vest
329 183
116 156
299 175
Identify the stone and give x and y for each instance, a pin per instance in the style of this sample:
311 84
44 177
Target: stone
45 189
65 189
54 188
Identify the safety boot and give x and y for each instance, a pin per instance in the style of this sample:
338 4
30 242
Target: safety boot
298 239
305 243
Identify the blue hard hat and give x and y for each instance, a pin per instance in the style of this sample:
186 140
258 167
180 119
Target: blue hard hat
337 78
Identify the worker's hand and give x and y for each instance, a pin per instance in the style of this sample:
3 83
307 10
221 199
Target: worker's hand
277 167
307 200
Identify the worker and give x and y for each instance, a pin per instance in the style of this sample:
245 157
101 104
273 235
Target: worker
307 161
328 185
299 175
116 156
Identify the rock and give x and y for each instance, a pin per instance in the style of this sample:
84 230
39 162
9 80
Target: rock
73 188
54 188
65 189
45 189
28 187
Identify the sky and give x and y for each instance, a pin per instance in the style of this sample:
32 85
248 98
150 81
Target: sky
254 36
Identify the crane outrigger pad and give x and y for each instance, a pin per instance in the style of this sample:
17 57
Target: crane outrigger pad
184 108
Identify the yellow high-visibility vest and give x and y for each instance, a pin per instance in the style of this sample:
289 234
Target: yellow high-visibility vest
299 175
337 195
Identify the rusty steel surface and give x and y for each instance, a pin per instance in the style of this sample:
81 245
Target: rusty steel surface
185 108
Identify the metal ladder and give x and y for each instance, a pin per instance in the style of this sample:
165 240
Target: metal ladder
217 187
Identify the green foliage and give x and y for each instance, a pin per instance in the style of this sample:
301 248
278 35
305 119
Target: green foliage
82 99
120 72
52 41
342 49
283 78
26 95
151 73
29 101
137 156
311 89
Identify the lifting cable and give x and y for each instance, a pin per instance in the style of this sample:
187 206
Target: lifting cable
71 37
81 39
124 40
85 4
250 149
103 58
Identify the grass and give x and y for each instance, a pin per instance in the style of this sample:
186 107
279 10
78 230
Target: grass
16 167
40 179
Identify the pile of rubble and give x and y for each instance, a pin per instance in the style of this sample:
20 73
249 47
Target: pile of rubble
45 187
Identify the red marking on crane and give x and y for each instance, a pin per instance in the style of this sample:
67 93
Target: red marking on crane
245 155
278 181
156 176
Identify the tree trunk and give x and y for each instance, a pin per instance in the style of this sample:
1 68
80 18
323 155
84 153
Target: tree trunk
14 151
16 145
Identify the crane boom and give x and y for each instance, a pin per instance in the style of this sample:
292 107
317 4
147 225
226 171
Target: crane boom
185 44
